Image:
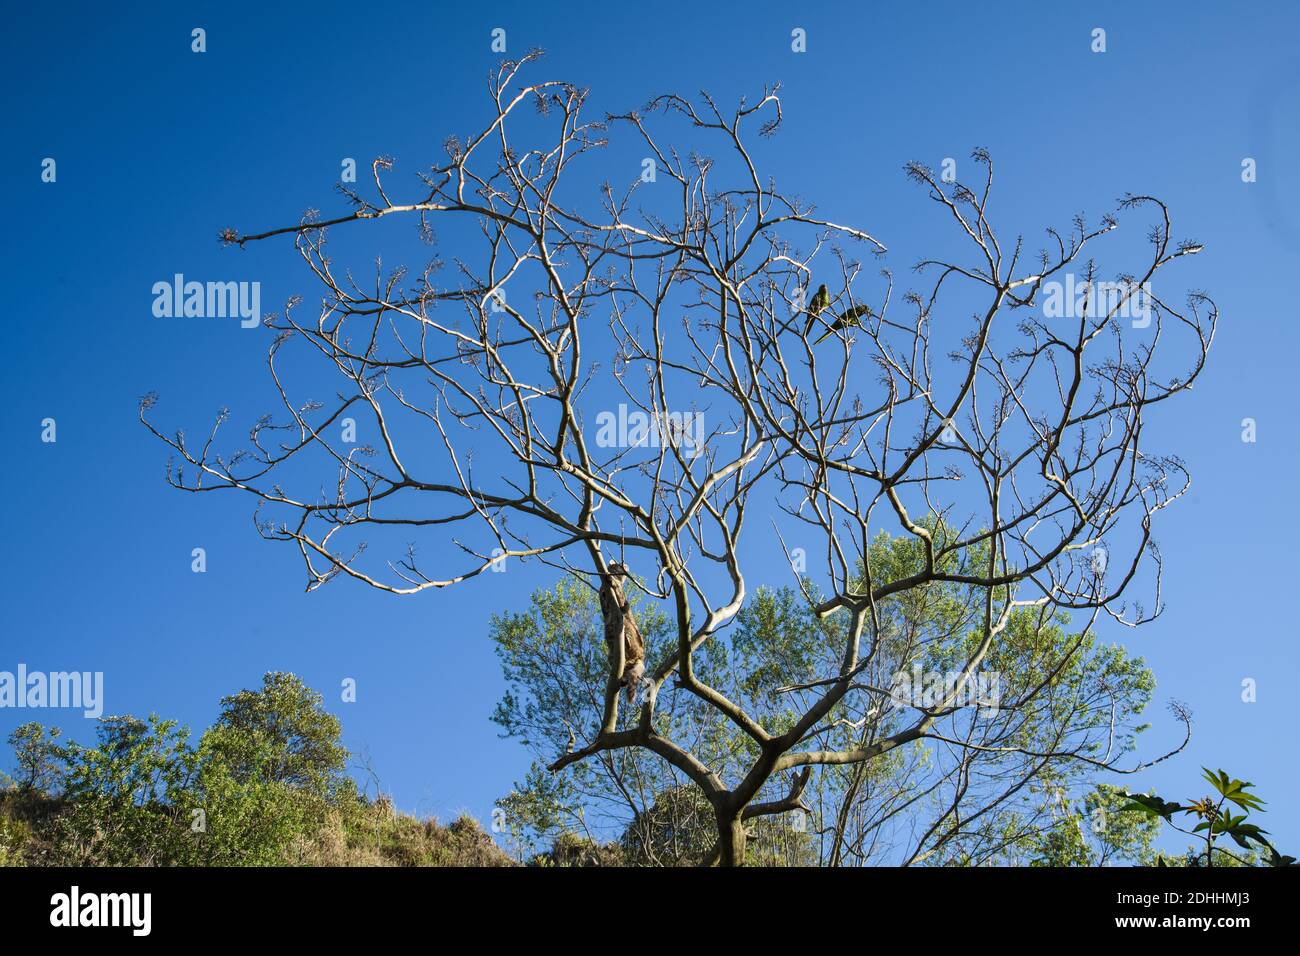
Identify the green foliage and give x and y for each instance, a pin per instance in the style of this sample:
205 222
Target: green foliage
260 778
542 806
359 833
280 734
1065 693
264 786
556 663
572 850
1215 819
247 821
37 757
679 830
15 835
1094 832
126 796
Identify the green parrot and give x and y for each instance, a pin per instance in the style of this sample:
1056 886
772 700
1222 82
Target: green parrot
850 318
820 302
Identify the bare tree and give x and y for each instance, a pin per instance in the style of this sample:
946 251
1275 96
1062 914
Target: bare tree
1003 439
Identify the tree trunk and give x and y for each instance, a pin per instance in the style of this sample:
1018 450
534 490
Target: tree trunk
731 839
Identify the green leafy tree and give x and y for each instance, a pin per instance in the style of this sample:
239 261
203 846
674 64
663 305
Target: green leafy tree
243 819
38 758
1020 790
280 734
556 663
263 786
259 784
128 794
1090 832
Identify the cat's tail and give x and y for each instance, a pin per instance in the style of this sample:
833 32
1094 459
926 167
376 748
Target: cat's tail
632 679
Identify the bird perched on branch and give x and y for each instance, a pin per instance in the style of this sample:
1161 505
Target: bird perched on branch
820 303
848 319
620 628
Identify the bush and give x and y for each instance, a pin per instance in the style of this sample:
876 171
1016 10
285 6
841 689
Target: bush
265 786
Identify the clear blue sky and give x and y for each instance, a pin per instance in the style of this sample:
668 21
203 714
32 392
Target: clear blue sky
158 148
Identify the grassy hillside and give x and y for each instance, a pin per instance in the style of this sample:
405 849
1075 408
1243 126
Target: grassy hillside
38 830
